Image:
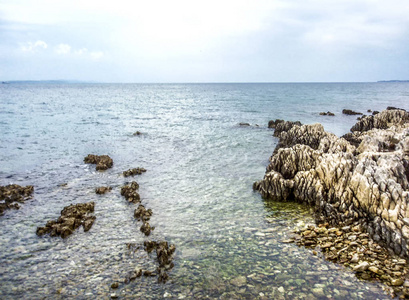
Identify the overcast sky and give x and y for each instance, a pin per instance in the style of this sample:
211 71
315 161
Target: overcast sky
204 41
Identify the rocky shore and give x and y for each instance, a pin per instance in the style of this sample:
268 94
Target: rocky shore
358 180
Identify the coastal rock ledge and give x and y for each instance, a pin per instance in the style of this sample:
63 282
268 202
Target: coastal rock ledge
363 181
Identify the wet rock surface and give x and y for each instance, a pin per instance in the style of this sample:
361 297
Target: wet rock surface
103 190
103 162
363 182
133 172
353 248
72 217
12 195
130 193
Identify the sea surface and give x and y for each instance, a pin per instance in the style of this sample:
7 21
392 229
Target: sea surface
201 165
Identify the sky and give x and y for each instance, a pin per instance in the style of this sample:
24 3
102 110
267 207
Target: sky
204 41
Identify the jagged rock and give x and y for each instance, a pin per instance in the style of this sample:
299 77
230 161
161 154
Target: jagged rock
281 125
383 120
134 171
367 183
12 193
72 217
137 133
328 113
164 255
103 162
142 214
130 193
146 228
103 189
350 112
244 124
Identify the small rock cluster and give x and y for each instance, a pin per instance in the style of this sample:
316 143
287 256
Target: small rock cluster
141 214
133 172
72 217
103 189
130 193
352 247
164 255
13 193
103 162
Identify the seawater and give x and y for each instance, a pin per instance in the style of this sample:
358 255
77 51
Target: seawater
201 166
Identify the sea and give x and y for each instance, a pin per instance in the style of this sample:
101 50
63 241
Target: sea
201 165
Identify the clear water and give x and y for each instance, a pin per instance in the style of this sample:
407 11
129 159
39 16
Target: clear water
201 166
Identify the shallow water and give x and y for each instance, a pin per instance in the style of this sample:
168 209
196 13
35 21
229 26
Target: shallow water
201 166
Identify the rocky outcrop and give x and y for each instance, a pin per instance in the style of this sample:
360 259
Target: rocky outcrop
133 172
103 162
281 125
366 183
72 217
13 194
383 120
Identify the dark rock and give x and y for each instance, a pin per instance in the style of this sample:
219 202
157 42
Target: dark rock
146 228
142 214
103 162
350 112
130 193
375 112
103 189
137 133
244 124
72 217
13 193
134 171
328 113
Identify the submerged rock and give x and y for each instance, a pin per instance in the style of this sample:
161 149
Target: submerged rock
103 189
72 217
103 162
134 171
12 194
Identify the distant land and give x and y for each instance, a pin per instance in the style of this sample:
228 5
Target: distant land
393 81
43 81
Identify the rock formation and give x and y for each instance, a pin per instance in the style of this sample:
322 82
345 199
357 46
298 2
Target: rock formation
134 171
363 182
72 217
130 193
103 189
103 162
13 193
328 113
350 112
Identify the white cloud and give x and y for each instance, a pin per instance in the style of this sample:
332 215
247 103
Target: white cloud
31 47
63 49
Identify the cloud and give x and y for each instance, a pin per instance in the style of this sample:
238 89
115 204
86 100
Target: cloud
31 47
63 49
